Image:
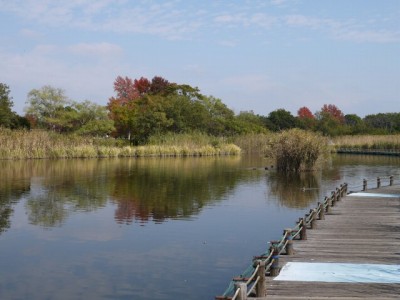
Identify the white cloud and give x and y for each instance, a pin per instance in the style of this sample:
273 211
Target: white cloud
31 34
366 36
97 49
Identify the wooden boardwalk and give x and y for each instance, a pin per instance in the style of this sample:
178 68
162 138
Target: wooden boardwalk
359 230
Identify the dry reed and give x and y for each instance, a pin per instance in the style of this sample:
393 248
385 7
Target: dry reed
35 144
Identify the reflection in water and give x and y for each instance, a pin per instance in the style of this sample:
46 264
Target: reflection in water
91 256
143 189
12 187
160 189
294 190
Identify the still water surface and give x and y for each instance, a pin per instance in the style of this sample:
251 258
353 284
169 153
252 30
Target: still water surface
169 228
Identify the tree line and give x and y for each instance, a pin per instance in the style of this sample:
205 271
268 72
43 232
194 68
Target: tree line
142 108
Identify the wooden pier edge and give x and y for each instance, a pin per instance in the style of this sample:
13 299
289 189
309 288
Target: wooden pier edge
341 229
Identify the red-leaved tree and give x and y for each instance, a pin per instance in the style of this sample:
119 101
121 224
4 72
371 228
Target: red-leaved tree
305 113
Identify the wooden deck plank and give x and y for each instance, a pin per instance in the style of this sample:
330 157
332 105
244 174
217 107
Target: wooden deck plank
359 230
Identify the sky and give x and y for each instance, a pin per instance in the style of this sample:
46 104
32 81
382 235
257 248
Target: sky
258 55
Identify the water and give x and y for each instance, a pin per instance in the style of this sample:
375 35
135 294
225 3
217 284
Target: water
170 228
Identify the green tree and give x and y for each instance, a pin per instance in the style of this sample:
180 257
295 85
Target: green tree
7 116
46 105
281 119
248 122
92 119
354 124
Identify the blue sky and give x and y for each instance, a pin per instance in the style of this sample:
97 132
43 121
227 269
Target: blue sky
253 55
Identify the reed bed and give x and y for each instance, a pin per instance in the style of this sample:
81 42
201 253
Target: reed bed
37 144
295 150
252 142
367 142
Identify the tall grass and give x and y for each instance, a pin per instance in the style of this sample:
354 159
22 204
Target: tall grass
295 150
23 144
367 142
252 142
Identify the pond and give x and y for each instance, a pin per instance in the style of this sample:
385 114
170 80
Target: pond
151 228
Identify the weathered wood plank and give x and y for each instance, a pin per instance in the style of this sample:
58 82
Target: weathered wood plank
359 230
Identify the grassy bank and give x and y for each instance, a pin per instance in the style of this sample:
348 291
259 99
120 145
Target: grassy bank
367 142
22 144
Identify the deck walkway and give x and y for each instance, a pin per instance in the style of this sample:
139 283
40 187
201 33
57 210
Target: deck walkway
361 229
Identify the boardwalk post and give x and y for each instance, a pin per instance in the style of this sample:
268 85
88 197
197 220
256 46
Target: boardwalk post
274 271
333 198
378 182
303 231
364 184
338 194
328 204
391 180
289 241
261 289
342 189
242 290
313 219
321 208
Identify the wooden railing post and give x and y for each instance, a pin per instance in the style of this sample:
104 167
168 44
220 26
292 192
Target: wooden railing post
313 219
333 198
391 180
338 194
274 271
328 204
261 289
303 231
321 208
364 184
378 182
242 290
289 241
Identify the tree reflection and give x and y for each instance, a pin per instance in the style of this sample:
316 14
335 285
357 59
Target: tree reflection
12 187
160 189
294 190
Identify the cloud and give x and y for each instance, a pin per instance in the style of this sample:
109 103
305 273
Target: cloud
97 49
366 36
31 34
176 20
250 82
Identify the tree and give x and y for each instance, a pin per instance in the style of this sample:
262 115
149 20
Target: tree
330 120
333 111
7 116
46 105
383 122
305 113
92 119
305 118
248 122
281 119
354 124
159 85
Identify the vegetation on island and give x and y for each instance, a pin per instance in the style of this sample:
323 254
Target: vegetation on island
158 117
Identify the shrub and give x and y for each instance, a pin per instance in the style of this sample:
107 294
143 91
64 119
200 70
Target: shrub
295 149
